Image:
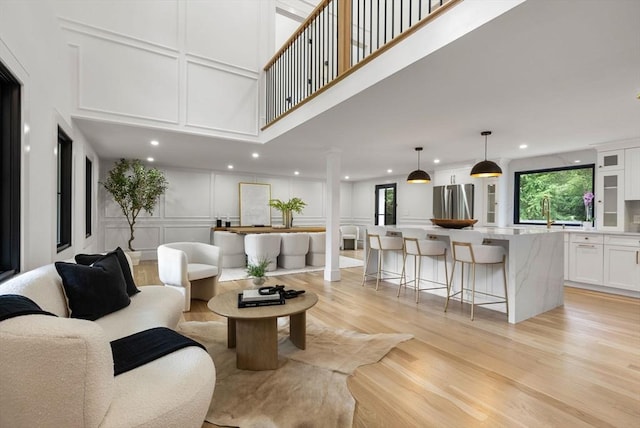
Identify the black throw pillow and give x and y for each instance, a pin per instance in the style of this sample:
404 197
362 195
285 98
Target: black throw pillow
89 259
94 291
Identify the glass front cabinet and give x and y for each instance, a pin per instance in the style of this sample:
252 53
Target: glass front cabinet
610 200
491 201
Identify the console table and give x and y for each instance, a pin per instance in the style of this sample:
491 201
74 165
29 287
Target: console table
244 230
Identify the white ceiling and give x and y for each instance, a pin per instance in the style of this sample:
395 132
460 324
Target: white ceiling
557 76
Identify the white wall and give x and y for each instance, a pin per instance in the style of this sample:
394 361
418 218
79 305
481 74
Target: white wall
33 47
195 198
191 66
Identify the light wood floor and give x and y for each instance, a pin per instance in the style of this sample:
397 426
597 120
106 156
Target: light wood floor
578 365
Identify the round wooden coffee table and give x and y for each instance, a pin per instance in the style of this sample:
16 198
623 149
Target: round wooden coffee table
254 331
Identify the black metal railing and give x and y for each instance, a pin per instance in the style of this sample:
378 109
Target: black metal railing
334 39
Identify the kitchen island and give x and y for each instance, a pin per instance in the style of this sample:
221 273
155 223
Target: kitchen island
535 265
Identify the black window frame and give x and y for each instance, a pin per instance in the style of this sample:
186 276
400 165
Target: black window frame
391 216
516 192
64 189
10 172
88 196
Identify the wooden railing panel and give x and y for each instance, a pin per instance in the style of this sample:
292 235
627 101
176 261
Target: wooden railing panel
336 38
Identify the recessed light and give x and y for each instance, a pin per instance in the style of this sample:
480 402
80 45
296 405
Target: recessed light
296 172
27 148
229 166
26 128
150 159
255 155
577 161
436 161
523 146
154 142
389 171
346 177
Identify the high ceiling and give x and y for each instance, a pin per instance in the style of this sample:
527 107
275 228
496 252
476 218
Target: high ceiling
557 76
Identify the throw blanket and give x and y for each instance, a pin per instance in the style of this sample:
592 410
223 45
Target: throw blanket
13 305
148 345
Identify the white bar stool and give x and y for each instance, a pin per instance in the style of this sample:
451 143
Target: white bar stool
473 254
383 244
419 248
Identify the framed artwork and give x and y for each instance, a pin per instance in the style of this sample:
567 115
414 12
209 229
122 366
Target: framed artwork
254 204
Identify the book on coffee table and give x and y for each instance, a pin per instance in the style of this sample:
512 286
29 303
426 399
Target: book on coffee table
279 300
253 295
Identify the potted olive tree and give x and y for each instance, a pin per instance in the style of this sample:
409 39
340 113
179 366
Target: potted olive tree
293 205
134 187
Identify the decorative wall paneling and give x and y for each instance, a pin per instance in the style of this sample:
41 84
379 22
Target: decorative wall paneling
189 194
194 232
166 82
235 23
195 198
154 23
221 99
146 76
147 237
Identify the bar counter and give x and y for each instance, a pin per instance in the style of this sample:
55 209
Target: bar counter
535 265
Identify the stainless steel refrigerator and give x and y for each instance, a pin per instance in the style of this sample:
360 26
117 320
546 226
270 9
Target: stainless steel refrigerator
453 201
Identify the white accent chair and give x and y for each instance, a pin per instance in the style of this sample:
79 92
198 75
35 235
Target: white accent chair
232 248
317 249
191 268
348 232
260 247
293 250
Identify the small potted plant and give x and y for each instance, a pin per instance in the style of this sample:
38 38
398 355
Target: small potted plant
257 271
287 208
134 187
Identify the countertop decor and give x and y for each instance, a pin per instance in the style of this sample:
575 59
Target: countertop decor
453 223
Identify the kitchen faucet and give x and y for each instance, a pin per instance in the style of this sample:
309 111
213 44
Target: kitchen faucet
546 210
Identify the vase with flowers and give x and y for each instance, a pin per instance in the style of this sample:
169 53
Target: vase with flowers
588 209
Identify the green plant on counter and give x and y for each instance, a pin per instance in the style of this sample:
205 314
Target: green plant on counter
293 205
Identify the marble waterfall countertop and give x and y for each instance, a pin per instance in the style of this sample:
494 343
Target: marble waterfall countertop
535 264
520 230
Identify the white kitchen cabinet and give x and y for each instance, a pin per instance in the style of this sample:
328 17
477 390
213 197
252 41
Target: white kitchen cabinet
490 208
609 200
452 176
611 160
585 259
567 257
632 174
622 262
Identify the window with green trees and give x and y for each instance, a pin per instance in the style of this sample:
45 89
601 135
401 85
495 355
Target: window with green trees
565 188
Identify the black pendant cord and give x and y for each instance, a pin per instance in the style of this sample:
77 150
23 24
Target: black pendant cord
485 147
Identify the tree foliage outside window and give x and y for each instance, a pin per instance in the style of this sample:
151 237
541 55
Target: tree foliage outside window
565 188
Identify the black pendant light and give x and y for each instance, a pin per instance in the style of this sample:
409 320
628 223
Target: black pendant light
418 176
486 168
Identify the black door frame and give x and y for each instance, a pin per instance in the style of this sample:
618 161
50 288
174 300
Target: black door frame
389 218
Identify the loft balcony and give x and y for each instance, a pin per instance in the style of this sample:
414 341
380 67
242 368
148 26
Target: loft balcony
339 37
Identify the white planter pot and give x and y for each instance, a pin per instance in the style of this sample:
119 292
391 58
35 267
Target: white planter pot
135 257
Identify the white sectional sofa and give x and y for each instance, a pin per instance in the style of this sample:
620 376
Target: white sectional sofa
59 371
